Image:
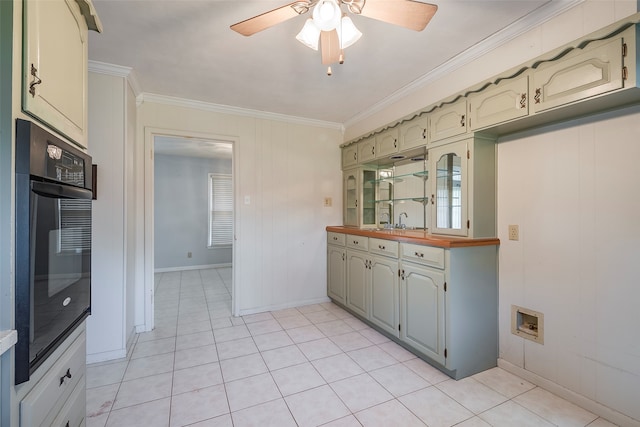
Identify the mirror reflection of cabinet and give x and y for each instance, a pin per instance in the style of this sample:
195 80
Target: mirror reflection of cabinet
359 197
463 189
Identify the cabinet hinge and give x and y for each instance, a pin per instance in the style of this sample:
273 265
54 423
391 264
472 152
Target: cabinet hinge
468 154
445 353
624 49
624 73
445 286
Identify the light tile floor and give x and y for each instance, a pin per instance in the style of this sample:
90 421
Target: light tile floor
306 366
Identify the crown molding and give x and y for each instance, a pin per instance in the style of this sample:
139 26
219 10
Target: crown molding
537 17
227 109
118 71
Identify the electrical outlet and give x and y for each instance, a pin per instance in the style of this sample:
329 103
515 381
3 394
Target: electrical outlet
327 202
514 232
189 254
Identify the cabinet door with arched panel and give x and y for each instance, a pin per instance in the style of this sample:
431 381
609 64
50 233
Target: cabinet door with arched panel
449 189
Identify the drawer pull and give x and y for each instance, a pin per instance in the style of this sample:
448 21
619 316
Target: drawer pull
335 238
355 242
381 247
67 375
419 255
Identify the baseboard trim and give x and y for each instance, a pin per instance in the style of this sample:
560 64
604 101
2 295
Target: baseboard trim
590 405
247 311
191 267
106 356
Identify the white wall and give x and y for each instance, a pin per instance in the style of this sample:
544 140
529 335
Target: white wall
111 322
181 215
573 190
285 169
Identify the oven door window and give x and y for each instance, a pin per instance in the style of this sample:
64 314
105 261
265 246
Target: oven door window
61 268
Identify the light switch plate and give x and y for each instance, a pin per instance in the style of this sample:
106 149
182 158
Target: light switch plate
328 202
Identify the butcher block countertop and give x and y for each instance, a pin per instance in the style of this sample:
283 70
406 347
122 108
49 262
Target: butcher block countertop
420 237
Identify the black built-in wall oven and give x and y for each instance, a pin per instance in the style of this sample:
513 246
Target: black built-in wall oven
53 244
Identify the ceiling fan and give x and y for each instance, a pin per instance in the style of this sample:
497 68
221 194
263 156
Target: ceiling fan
332 28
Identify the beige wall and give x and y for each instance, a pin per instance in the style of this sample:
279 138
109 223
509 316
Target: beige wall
285 170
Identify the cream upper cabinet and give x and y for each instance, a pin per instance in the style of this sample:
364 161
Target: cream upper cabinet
463 194
55 66
349 156
448 120
414 133
499 103
578 75
367 150
387 143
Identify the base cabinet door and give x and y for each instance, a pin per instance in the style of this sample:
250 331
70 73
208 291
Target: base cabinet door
422 309
358 274
336 273
384 294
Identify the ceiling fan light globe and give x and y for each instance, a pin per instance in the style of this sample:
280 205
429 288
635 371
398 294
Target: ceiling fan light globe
348 33
309 35
326 15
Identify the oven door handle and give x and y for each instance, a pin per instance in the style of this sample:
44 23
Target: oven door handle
58 191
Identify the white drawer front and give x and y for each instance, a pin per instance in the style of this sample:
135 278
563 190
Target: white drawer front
73 412
51 392
357 242
427 255
383 247
336 238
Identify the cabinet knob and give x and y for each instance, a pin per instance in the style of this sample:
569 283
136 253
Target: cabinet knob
424 133
395 142
381 247
523 100
373 151
419 255
462 120
355 156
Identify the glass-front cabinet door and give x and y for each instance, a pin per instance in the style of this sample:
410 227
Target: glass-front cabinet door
359 197
449 189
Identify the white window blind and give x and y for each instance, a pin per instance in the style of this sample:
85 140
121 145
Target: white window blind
220 210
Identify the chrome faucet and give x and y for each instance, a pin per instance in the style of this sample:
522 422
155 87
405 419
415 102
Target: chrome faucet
400 224
388 223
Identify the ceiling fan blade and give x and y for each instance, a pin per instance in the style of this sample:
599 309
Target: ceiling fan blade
405 13
263 21
330 47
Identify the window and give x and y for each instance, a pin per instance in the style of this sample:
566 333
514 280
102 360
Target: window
220 210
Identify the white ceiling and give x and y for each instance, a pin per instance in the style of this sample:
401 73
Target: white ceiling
185 49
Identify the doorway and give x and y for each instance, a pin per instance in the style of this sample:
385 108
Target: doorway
192 233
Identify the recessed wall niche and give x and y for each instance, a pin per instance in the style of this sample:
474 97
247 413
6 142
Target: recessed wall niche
528 324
